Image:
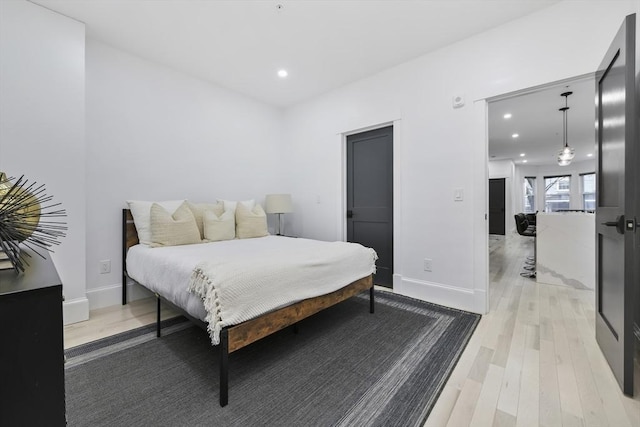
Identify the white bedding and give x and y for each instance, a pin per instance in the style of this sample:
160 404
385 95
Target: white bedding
247 277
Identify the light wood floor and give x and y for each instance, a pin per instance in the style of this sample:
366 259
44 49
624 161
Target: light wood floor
533 359
113 320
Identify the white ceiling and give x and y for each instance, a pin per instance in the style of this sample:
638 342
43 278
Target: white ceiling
241 44
535 117
323 44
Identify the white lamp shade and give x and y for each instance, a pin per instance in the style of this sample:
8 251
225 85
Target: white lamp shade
278 203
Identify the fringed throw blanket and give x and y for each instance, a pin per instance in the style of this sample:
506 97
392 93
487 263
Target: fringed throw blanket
237 288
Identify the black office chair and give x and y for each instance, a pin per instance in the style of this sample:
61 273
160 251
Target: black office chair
524 228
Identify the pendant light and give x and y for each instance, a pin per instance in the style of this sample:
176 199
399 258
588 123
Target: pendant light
567 153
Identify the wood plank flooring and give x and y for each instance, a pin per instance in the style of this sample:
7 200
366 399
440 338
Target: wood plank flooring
533 360
113 320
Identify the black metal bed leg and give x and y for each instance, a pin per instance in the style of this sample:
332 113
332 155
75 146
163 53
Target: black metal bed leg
224 367
158 333
124 289
372 308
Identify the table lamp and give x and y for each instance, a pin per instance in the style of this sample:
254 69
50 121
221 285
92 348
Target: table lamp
278 204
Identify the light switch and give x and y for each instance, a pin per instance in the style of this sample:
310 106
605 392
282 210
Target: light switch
458 194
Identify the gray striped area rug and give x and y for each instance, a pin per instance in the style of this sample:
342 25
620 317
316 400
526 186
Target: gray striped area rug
345 367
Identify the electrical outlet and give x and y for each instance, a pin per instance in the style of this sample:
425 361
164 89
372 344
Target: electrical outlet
105 266
427 264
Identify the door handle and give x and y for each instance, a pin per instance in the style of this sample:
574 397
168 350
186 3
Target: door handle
618 224
349 213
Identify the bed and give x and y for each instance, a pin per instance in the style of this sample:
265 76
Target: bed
175 264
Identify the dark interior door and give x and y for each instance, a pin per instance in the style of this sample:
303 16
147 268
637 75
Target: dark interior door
616 278
496 206
636 326
370 196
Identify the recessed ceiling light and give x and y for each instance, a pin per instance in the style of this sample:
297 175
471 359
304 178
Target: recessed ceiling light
282 73
507 116
524 161
521 154
590 155
515 135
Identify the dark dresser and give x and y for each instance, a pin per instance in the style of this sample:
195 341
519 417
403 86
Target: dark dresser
31 349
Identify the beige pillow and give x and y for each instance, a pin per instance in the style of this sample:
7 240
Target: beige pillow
219 227
250 223
230 205
198 210
141 212
171 230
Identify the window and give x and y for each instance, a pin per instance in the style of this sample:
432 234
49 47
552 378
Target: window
529 191
588 191
563 184
557 196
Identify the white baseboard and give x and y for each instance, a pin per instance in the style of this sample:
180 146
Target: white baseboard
481 302
397 281
462 299
107 296
75 311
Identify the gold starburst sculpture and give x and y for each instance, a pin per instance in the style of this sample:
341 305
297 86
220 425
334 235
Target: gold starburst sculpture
27 217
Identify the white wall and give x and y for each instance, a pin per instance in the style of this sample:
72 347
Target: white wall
42 80
574 170
441 148
505 169
156 134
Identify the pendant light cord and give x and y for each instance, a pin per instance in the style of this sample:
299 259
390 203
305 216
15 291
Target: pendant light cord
566 154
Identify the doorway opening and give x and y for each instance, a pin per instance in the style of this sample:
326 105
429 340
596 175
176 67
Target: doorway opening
525 134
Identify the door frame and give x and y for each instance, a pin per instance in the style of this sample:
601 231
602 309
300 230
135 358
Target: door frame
397 189
481 174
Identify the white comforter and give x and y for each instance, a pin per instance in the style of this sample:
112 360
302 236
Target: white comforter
237 280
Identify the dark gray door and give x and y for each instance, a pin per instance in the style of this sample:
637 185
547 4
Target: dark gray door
496 206
616 275
370 196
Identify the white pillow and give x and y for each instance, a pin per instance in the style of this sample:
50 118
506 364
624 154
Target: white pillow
219 227
141 212
198 210
230 205
172 230
251 223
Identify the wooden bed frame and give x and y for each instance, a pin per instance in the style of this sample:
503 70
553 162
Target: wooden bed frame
235 337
